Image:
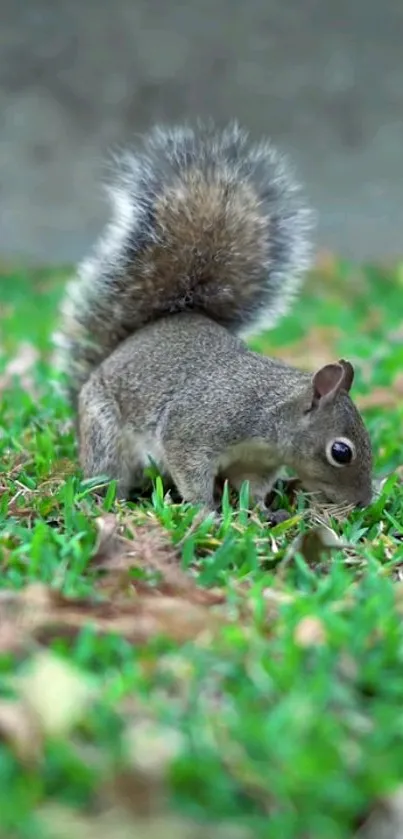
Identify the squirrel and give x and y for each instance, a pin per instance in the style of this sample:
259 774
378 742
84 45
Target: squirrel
207 245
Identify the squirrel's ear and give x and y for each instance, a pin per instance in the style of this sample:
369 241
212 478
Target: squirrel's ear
348 374
329 380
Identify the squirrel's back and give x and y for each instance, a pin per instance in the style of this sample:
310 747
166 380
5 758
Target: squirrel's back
202 220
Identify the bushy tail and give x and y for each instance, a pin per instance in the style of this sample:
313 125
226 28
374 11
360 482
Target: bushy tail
203 220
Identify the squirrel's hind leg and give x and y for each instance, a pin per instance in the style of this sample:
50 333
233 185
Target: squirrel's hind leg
102 440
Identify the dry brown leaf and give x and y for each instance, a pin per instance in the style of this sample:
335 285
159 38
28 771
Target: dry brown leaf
108 547
317 348
326 264
61 822
379 397
42 614
314 544
148 547
383 397
398 593
276 597
386 820
51 698
173 606
374 320
310 632
140 787
12 635
152 747
396 335
274 600
135 793
19 729
20 367
54 693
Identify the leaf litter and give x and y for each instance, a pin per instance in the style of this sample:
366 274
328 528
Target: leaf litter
20 367
129 798
119 548
140 592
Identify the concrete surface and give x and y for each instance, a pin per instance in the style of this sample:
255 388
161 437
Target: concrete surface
324 78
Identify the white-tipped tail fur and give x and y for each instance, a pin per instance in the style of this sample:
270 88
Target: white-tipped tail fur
202 219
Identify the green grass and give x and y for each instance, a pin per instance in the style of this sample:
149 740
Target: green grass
282 716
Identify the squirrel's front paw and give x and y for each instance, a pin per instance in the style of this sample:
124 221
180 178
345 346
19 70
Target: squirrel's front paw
274 517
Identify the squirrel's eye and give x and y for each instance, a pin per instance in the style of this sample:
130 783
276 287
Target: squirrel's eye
340 452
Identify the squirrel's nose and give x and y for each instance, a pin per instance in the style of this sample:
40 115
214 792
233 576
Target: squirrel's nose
366 501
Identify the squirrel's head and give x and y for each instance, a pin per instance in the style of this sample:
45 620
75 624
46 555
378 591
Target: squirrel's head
332 450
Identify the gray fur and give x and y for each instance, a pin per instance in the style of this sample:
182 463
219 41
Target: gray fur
207 242
246 285
195 400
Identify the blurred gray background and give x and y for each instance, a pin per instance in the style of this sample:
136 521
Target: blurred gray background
323 78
